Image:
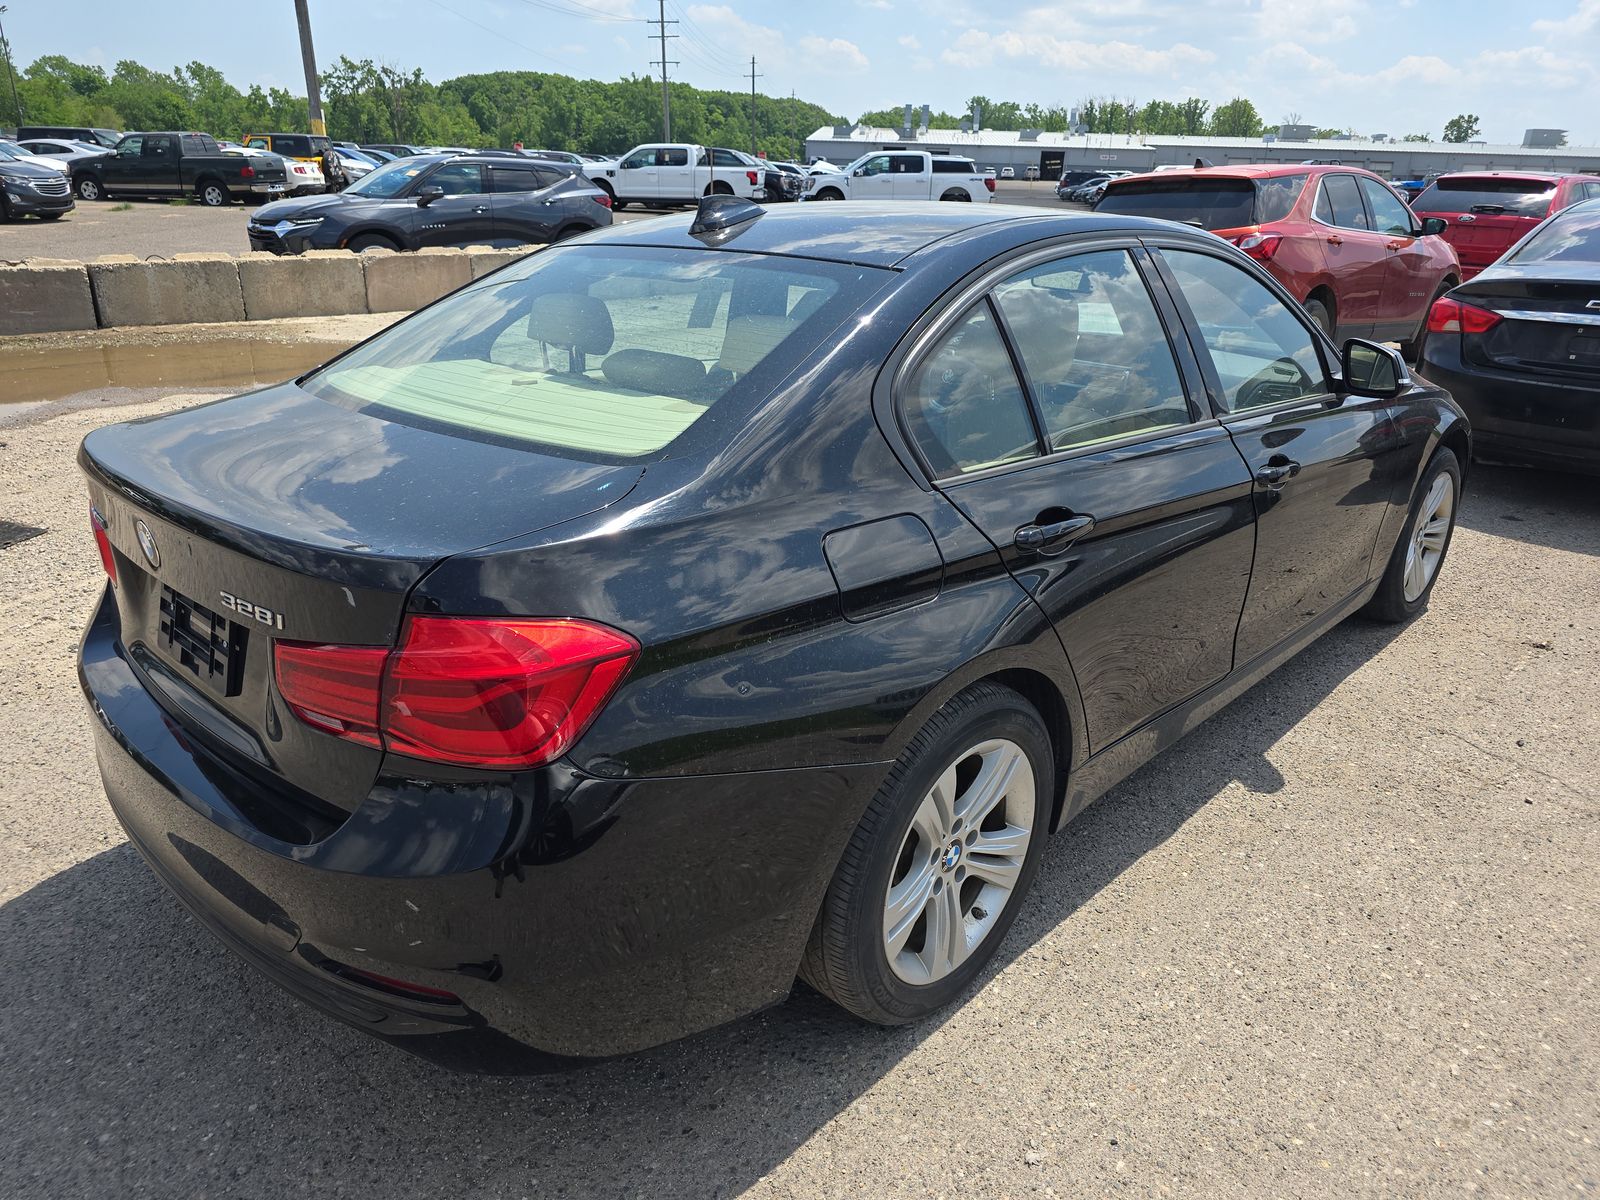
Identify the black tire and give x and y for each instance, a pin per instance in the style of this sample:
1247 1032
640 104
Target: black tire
846 959
718 188
371 241
1389 602
1412 348
607 189
829 194
956 195
88 188
5 209
50 216
213 194
1318 312
568 231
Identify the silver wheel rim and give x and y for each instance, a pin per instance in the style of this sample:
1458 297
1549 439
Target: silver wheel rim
1428 540
959 861
213 196
89 191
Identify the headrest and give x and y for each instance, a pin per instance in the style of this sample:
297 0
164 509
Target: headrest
750 339
571 319
653 371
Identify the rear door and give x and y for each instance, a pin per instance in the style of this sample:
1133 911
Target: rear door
1488 214
676 176
464 215
1051 409
912 177
1323 465
873 179
1356 257
525 210
1412 275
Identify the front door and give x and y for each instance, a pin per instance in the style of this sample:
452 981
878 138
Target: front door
124 168
1053 413
1323 464
873 179
677 178
1408 289
1357 258
464 215
636 176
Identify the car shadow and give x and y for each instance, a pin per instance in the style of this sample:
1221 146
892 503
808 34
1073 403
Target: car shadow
1536 506
140 1054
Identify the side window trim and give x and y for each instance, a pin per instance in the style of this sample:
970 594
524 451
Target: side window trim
1208 366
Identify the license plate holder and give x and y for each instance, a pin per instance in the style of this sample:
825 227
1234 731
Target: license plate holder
204 643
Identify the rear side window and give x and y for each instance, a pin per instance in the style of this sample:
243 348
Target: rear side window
1097 360
293 145
1339 203
520 179
908 164
1275 198
964 404
1572 237
601 353
1490 194
670 157
1209 202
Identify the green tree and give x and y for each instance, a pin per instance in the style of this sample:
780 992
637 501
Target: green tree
1461 128
1417 137
1237 118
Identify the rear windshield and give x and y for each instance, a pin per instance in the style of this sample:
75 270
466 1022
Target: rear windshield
1210 203
599 352
1507 197
1572 237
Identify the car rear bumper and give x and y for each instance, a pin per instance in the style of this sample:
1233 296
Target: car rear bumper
556 916
1520 418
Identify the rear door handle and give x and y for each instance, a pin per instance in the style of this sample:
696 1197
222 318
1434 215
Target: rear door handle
480 208
1054 537
1335 240
1399 244
1276 474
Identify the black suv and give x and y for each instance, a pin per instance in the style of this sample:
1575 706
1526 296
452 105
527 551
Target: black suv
437 200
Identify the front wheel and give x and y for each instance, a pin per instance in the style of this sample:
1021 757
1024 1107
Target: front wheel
1414 565
829 194
89 188
936 871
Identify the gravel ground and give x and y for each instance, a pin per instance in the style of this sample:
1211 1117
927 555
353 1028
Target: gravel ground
1339 942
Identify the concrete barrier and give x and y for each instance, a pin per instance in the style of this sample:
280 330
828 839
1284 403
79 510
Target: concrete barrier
50 295
44 297
398 281
187 289
320 283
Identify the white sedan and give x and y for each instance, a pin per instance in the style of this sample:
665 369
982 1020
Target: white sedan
10 150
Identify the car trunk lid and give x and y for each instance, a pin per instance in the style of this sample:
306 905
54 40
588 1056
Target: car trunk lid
281 516
1549 320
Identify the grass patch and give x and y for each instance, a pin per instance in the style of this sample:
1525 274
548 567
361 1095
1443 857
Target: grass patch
181 201
123 207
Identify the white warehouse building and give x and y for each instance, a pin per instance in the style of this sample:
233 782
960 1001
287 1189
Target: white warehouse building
1053 153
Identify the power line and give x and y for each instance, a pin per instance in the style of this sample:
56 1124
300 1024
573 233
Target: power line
570 8
661 33
500 33
704 41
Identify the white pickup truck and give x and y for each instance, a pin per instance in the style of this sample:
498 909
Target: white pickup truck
903 175
663 173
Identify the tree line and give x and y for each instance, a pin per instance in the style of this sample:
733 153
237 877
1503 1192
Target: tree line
366 101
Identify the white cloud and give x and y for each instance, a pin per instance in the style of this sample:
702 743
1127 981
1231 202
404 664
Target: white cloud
727 28
910 41
834 54
975 48
880 5
1312 20
1585 19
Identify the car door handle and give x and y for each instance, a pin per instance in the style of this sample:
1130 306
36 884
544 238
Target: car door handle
1335 240
1054 537
1398 244
1277 472
480 208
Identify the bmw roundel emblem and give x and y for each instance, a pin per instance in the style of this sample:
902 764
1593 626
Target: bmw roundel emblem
952 856
147 543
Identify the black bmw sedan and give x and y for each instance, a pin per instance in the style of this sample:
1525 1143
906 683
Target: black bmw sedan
437 200
689 607
1519 346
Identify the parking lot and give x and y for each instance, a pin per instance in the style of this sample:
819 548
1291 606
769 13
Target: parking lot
1340 941
158 227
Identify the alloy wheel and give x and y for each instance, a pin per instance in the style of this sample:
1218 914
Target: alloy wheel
959 861
1429 537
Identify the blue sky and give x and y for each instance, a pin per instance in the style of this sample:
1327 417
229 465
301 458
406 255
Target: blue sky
1390 66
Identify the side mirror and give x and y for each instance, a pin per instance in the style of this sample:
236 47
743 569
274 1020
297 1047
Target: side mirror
859 172
1434 226
428 195
1371 369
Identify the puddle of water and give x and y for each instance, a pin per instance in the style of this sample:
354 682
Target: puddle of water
32 375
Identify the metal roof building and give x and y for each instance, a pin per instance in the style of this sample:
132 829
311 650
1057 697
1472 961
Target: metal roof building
1054 152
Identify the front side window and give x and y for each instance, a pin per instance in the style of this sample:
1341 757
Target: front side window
1389 213
130 147
964 405
601 353
1339 203
1096 357
876 166
1263 355
641 158
258 143
457 179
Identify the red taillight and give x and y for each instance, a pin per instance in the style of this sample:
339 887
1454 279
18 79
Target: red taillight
495 692
988 182
603 200
247 172
415 991
1259 246
335 688
751 176
98 524
1455 316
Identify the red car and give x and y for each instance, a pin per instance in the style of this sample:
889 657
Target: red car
1339 238
1491 211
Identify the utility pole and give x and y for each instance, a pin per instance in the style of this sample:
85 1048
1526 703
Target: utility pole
753 78
661 24
11 71
308 59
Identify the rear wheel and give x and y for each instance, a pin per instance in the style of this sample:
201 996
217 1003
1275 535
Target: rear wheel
213 194
718 188
956 194
89 188
1319 312
936 871
1414 565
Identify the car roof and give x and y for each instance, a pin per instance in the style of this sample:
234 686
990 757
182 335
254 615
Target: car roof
1534 176
873 234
